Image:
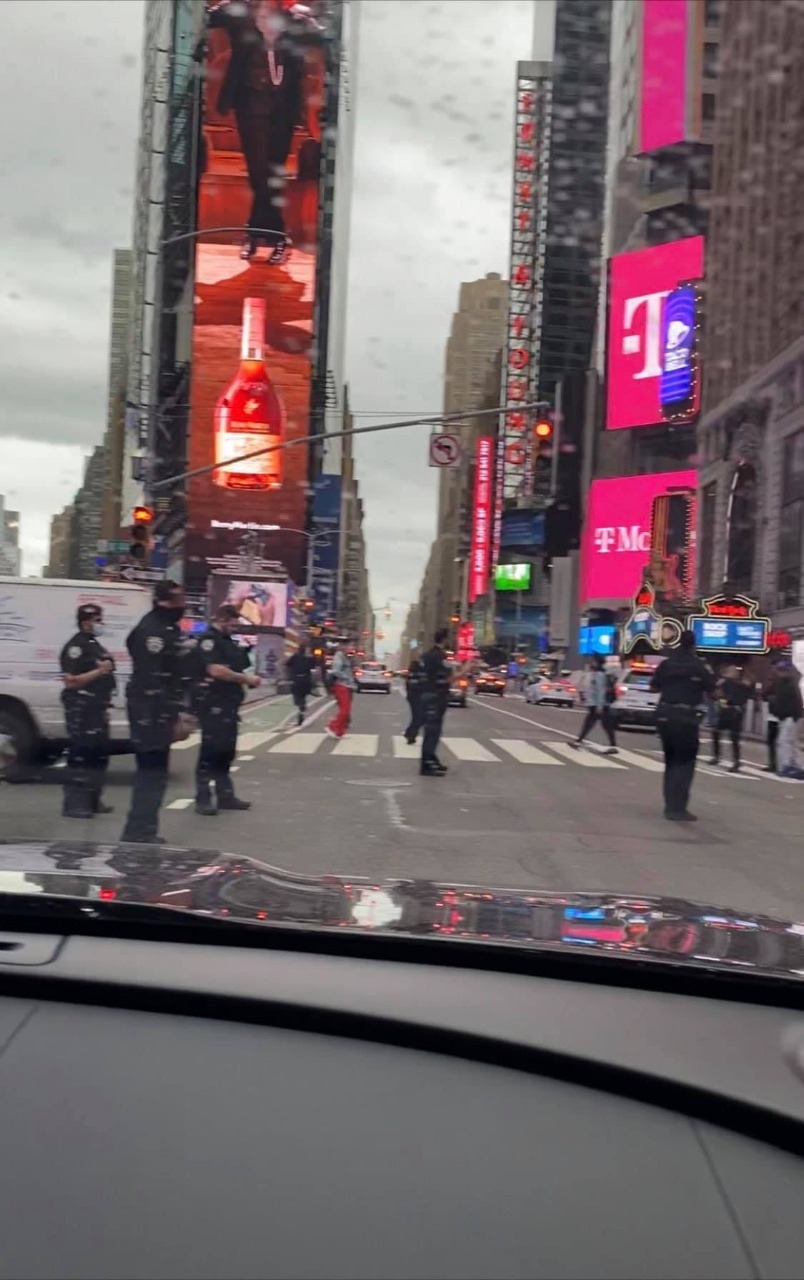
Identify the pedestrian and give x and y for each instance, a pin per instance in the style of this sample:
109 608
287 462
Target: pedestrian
342 687
89 685
300 667
223 682
731 696
600 696
682 682
414 688
437 675
156 696
789 708
772 725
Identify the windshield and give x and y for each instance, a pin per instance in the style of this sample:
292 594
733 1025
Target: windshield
412 488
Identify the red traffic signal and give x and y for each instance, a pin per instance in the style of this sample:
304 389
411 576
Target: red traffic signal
543 429
142 515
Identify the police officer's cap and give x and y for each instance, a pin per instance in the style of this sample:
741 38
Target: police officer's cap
88 613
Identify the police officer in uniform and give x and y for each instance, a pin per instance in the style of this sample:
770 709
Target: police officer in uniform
224 680
89 685
682 681
156 696
437 675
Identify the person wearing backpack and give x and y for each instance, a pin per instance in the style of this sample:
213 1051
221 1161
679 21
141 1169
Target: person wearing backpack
600 695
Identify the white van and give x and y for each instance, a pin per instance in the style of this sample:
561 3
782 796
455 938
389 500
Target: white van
37 618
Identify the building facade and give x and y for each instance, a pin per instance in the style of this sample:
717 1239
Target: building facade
10 554
87 516
61 533
353 595
114 437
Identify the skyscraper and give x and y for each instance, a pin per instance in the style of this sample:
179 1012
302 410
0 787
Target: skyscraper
113 441
10 555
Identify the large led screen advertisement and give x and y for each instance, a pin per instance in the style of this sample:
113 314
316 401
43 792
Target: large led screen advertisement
664 73
255 276
643 343
617 533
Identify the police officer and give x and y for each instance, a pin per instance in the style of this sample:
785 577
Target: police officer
682 681
156 697
217 703
89 685
437 675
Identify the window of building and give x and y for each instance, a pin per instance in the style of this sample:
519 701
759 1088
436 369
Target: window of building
708 106
711 59
791 523
706 547
741 528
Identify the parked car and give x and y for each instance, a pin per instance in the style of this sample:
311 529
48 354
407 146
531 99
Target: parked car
373 675
560 692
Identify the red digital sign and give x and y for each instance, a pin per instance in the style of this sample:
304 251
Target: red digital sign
639 283
665 73
480 553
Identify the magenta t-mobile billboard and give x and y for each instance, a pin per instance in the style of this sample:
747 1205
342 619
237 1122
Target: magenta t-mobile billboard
664 73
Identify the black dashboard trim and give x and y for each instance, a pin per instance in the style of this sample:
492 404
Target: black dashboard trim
762 1124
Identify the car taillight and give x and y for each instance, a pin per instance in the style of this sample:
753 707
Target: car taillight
463 683
359 672
621 690
388 675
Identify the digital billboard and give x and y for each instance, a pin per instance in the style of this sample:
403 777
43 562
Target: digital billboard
266 64
617 533
639 284
326 543
664 73
480 550
512 577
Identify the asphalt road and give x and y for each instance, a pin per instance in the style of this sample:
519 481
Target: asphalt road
518 807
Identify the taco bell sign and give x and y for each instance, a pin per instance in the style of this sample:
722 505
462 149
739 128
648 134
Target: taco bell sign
616 539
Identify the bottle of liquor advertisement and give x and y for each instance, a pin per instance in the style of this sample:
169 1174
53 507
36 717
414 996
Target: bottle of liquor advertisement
250 415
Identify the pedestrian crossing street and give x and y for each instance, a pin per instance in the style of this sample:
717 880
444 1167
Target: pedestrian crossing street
546 754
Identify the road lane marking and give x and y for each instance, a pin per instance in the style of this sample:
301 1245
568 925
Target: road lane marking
406 750
304 744
469 749
357 744
641 762
194 740
180 804
588 759
525 752
250 741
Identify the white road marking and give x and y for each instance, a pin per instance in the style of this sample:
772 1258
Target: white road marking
303 744
194 740
525 752
180 804
588 759
357 744
250 741
469 749
245 759
641 762
406 750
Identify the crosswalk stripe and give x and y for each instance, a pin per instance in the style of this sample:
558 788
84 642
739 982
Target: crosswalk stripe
303 744
469 749
357 744
641 762
406 750
524 752
584 757
179 804
249 741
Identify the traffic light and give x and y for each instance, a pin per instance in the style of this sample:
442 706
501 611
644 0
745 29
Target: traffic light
455 619
140 545
543 429
142 516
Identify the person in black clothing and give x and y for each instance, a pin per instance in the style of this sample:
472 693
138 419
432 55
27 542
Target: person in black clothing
437 675
217 700
156 696
300 668
414 688
682 681
731 696
89 685
264 85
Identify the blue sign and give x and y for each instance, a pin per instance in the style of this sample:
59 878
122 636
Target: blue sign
528 623
744 635
598 640
676 383
522 529
326 543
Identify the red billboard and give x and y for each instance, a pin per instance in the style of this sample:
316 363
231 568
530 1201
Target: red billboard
480 553
617 533
664 68
255 279
639 284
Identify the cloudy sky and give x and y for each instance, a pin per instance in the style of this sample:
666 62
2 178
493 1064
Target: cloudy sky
431 201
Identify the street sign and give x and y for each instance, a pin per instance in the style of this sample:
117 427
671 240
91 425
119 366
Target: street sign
445 450
130 574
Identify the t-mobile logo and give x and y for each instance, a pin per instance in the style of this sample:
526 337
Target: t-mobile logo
644 314
621 538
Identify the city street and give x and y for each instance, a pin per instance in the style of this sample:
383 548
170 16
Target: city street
519 807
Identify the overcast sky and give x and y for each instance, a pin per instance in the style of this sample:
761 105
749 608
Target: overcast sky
431 202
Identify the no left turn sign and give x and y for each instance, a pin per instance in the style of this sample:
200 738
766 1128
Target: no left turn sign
445 450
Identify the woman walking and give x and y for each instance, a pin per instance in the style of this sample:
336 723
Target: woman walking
599 697
342 688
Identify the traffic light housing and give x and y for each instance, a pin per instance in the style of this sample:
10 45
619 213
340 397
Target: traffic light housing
141 543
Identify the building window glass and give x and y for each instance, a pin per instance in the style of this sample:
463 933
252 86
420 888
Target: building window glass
742 528
791 523
707 543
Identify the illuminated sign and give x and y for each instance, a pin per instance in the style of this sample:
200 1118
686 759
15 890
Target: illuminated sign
639 283
730 625
512 577
523 338
672 544
480 552
665 77
679 398
617 532
267 71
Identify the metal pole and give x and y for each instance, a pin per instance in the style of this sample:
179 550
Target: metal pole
443 418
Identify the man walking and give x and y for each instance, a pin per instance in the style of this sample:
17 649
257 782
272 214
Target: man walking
434 699
89 685
682 681
342 688
788 706
731 697
600 694
156 696
224 680
300 667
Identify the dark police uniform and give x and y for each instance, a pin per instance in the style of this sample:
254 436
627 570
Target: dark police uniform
86 715
155 695
217 705
414 688
434 699
682 680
